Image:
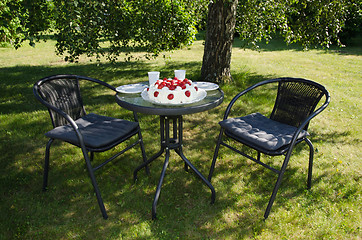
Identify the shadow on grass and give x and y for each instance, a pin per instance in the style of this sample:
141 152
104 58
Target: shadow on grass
16 83
278 44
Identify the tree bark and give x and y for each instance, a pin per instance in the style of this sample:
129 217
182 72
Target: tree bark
218 42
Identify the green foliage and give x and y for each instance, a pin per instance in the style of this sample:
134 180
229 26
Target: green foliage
82 26
309 22
8 25
353 24
152 26
110 27
316 22
23 20
257 20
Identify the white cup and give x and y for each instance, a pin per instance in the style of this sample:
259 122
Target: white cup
180 74
153 77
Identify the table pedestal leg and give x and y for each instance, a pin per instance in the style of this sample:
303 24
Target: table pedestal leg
158 189
168 143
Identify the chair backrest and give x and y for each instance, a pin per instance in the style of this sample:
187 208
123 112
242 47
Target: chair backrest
62 92
296 100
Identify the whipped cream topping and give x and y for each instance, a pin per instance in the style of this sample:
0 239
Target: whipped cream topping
173 91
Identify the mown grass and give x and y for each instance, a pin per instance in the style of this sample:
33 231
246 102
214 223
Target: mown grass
68 210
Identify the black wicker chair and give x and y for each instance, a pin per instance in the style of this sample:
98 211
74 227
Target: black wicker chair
61 94
294 107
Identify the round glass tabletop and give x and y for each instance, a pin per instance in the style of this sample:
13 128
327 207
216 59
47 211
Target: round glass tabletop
135 102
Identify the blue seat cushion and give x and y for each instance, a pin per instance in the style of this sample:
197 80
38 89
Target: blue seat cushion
261 131
98 131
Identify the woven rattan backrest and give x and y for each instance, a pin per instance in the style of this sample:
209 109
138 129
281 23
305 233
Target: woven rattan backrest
64 94
296 100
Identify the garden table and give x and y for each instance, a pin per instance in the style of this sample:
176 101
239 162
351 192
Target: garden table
136 103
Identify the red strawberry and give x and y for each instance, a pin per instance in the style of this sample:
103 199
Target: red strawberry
165 79
186 81
172 87
156 94
148 89
196 88
187 93
170 96
182 85
161 85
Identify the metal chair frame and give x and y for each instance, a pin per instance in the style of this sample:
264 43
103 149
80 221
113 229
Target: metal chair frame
285 150
57 113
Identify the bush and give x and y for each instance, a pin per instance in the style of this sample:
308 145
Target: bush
353 24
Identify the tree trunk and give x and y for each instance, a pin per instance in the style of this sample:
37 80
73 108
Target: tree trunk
219 39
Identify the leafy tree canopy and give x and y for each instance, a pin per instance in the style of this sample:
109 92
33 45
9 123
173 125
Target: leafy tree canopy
23 19
82 26
309 22
153 26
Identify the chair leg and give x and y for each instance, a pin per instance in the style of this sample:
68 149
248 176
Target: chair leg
94 183
46 164
277 185
140 139
215 155
142 146
310 167
272 198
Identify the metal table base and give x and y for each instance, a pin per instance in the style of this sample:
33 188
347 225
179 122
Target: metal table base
168 143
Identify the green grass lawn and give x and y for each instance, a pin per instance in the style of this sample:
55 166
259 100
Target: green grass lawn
68 210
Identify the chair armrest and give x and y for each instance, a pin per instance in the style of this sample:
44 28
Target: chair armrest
96 81
232 102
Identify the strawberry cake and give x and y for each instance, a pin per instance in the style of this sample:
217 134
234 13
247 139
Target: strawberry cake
173 91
